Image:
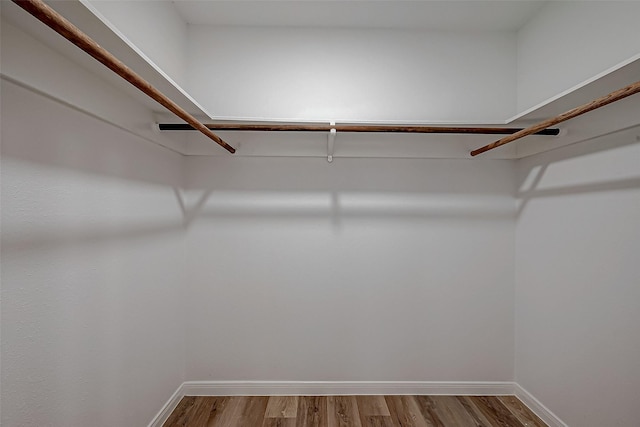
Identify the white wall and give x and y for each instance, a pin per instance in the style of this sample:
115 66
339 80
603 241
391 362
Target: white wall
339 74
152 26
369 269
28 61
577 280
364 269
92 268
568 42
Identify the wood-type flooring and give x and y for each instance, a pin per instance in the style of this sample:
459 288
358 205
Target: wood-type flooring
352 411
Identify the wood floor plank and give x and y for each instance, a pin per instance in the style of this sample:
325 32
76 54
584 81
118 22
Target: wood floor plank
242 411
452 409
405 412
376 421
279 422
495 411
252 414
521 411
282 407
352 411
199 414
477 415
228 416
342 411
428 410
372 405
196 415
445 411
178 416
215 408
312 411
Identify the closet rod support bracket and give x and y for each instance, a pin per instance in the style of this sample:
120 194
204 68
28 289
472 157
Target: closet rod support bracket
331 141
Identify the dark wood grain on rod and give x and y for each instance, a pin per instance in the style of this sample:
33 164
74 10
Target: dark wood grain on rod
66 29
354 128
593 105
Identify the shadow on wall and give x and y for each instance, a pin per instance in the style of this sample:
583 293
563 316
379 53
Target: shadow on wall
594 161
337 206
70 179
39 129
404 189
304 189
230 188
68 238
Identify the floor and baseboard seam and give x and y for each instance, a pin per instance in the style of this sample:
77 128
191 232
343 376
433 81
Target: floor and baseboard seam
329 388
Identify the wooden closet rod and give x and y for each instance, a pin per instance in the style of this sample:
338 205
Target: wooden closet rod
595 104
354 128
66 29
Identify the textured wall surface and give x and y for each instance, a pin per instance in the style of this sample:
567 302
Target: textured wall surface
154 27
577 281
342 75
92 269
569 42
355 270
117 285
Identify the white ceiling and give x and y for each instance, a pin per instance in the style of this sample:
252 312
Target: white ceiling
451 15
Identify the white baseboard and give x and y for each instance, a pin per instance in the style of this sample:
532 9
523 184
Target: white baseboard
538 408
168 408
328 388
